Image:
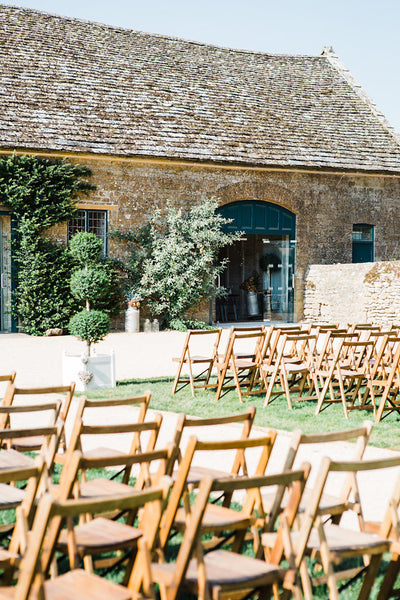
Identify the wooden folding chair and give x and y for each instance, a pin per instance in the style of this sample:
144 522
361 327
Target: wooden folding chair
190 358
77 584
332 544
101 535
32 477
240 364
346 371
288 368
222 573
383 387
332 504
185 425
80 433
389 528
11 458
102 411
40 394
216 517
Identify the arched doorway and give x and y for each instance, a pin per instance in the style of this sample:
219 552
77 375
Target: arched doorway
260 274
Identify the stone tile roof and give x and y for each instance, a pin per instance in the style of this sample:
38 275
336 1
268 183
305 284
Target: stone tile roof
71 85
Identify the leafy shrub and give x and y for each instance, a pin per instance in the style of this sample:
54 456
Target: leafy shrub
40 193
43 298
174 259
86 248
186 324
89 284
90 326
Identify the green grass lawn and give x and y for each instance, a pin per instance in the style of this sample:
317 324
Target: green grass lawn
385 434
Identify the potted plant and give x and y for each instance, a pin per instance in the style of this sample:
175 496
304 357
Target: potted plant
89 283
250 285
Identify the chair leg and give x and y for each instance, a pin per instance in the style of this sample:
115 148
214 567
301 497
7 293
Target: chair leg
221 377
88 564
342 394
237 383
270 388
306 580
209 372
327 563
390 578
321 395
382 404
191 377
177 377
370 576
285 386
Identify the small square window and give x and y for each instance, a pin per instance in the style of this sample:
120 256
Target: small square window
363 233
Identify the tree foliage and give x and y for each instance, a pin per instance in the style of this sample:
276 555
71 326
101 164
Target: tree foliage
173 263
89 282
40 194
90 326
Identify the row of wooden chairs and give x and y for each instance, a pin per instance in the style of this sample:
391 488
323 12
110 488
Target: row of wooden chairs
357 366
286 518
207 572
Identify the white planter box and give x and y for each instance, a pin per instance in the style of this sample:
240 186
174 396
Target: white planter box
89 372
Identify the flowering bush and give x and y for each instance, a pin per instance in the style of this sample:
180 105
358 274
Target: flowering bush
174 259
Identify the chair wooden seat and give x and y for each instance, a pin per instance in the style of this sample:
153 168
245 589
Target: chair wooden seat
194 359
28 444
99 535
328 505
101 452
12 459
224 568
216 518
10 496
345 542
103 487
196 474
77 585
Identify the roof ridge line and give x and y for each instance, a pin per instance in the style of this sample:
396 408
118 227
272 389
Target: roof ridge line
122 29
337 64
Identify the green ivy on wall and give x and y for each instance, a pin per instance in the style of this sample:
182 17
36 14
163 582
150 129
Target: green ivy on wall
40 194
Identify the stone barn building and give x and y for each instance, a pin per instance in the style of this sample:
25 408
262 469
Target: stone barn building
291 146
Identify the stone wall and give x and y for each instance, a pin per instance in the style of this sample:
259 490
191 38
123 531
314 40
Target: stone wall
353 293
326 204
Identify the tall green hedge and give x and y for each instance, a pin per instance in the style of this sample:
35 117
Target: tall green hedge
41 193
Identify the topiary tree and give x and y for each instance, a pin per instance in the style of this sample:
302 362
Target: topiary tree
89 282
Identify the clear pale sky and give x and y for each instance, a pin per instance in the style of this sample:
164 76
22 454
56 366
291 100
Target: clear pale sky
364 33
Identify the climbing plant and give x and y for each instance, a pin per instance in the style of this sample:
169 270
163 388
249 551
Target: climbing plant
41 193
